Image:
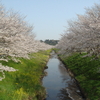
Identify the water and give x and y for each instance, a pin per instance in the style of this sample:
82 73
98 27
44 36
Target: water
58 83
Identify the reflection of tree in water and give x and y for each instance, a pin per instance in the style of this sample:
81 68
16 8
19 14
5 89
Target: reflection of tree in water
74 91
71 91
53 55
65 76
62 69
68 94
63 95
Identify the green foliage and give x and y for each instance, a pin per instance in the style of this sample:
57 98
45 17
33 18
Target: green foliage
50 42
86 72
25 84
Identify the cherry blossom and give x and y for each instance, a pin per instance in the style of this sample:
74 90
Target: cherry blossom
83 34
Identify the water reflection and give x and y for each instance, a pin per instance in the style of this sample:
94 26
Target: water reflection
59 85
63 95
64 73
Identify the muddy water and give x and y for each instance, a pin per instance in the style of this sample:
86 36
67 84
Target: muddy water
58 83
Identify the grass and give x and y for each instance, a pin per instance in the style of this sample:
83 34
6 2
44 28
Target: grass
86 72
25 84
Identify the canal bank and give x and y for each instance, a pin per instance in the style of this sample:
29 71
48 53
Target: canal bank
25 83
58 83
85 69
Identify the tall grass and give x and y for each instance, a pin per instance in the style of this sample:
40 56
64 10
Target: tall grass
86 72
25 84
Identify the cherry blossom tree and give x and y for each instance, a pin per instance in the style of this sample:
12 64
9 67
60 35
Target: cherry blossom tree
16 38
83 35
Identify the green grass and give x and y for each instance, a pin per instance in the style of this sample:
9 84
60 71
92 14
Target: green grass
25 84
85 70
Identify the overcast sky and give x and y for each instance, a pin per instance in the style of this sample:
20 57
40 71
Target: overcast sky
49 17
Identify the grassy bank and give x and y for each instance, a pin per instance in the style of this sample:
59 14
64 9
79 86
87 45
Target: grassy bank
25 84
87 72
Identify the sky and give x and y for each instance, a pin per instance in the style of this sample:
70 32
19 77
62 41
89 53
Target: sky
49 17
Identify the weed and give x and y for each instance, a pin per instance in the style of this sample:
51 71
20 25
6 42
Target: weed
25 84
86 72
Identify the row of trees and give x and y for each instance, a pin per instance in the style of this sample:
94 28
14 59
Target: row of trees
50 42
16 37
83 34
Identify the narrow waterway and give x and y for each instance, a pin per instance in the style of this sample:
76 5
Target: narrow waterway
58 83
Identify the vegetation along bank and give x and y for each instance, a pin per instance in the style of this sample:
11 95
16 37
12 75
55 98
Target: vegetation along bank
86 72
25 83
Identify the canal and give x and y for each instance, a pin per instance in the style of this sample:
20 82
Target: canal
58 83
